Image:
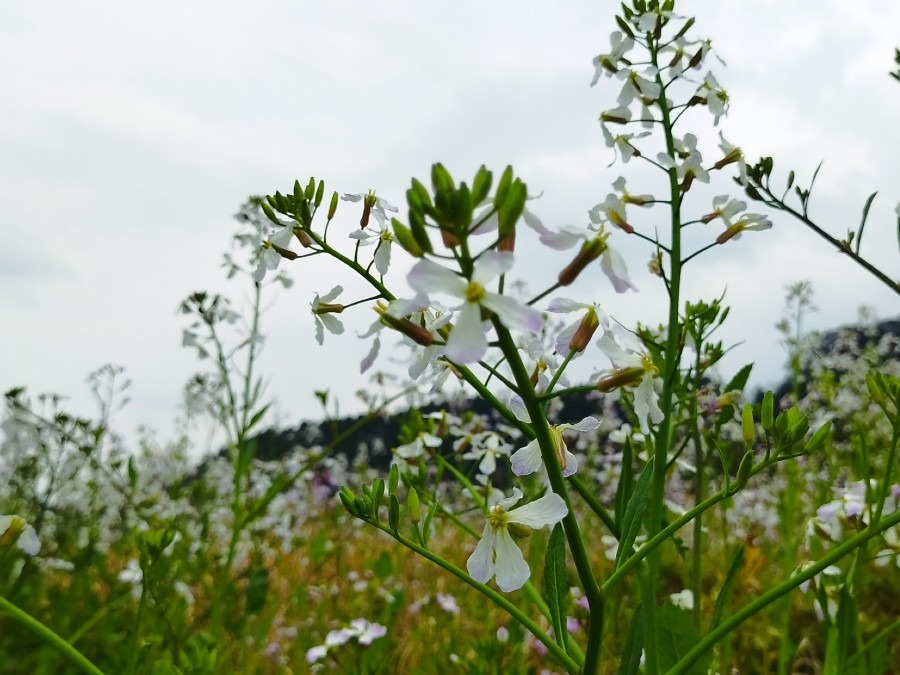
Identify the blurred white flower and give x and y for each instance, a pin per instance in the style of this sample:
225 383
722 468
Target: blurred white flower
15 531
324 309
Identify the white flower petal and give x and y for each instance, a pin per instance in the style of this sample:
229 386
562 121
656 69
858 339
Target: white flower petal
427 276
564 305
525 461
513 314
571 464
517 406
371 356
587 424
547 510
481 563
491 265
467 342
332 294
613 266
383 257
510 567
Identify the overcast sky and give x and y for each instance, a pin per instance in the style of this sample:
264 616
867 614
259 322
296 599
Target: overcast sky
130 133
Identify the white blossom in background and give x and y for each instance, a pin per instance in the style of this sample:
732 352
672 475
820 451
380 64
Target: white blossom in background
383 237
467 342
14 530
691 165
324 310
269 257
372 205
527 460
485 448
608 64
497 554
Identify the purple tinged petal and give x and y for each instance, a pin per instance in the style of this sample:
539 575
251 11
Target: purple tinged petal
525 461
371 356
613 266
331 295
517 406
513 314
587 424
571 464
564 306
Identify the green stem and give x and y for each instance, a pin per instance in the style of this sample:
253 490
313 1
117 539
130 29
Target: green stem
49 637
133 650
662 438
558 484
709 641
491 594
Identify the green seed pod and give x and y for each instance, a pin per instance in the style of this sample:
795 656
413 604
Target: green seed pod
270 214
441 179
875 389
394 512
798 431
767 411
412 504
310 188
748 427
377 493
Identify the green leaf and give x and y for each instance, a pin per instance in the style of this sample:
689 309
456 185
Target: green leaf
739 381
634 515
626 482
737 562
556 583
634 645
865 216
676 636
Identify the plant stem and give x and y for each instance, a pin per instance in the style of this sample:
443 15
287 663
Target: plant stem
49 637
727 626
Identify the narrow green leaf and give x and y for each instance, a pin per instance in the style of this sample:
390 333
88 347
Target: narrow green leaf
865 216
556 583
626 483
737 562
634 515
634 645
739 381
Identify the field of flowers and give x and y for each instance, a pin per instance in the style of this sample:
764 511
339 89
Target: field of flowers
656 516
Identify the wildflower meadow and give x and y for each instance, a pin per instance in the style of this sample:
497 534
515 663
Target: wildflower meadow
536 487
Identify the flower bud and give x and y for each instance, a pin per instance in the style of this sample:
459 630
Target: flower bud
405 238
328 308
767 412
304 238
875 389
414 331
332 208
283 252
348 499
748 428
15 528
412 503
732 157
730 232
393 479
620 378
819 438
590 251
585 331
508 243
394 512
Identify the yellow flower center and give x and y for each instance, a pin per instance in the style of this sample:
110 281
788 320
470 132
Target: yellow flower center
474 292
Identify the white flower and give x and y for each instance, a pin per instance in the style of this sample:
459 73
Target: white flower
733 153
323 311
14 530
593 316
683 599
527 460
638 86
383 237
691 165
629 356
486 447
621 143
725 208
269 257
716 97
749 221
497 554
372 205
467 342
608 64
